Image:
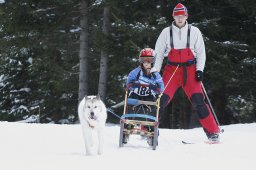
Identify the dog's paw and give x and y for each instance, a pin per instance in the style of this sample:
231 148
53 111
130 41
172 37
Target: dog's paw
100 152
89 153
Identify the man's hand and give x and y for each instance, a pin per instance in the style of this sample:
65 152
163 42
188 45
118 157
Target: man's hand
153 69
199 75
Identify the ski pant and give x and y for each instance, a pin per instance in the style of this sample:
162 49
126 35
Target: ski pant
194 92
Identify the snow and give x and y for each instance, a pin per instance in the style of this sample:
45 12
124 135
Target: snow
26 146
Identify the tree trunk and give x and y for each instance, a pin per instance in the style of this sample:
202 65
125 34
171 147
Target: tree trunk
83 53
104 56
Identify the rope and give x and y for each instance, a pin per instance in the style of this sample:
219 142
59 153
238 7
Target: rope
111 111
169 80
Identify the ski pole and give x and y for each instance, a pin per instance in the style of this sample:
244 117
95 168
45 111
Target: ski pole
209 102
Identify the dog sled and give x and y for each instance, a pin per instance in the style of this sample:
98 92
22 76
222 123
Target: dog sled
140 118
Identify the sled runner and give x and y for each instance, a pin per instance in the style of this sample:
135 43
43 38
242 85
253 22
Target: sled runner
140 118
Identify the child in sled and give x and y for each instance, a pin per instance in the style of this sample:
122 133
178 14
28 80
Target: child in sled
143 85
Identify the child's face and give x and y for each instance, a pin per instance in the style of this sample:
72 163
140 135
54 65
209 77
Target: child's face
146 64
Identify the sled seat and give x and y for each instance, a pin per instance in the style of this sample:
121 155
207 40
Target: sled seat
136 102
132 115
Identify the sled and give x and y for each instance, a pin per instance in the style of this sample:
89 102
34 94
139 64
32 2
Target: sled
140 118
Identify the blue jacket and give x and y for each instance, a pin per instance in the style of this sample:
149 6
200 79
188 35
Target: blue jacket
137 75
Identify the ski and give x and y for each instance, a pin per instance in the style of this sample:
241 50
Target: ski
185 142
206 142
212 142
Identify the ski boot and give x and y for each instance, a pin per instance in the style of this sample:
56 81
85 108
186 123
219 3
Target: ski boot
212 137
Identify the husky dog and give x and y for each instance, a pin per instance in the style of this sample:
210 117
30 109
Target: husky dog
92 114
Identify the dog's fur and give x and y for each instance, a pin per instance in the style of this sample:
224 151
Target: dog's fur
92 114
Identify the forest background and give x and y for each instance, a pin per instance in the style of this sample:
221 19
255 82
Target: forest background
53 52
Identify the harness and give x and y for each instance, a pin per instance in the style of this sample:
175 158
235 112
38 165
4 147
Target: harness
143 90
138 75
184 65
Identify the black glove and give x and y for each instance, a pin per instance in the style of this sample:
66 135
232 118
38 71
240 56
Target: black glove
153 86
199 75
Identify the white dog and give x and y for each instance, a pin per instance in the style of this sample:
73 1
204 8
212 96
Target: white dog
92 114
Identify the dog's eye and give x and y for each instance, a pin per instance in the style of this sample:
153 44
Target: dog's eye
89 107
95 107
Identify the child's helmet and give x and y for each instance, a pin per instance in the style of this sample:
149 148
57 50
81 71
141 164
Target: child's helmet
147 54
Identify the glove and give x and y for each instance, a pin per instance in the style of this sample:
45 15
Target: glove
153 86
199 75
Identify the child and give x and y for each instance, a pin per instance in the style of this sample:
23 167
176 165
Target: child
142 84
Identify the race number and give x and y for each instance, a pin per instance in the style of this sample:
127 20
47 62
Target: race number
143 91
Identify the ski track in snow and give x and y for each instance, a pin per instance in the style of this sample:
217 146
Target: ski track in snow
60 147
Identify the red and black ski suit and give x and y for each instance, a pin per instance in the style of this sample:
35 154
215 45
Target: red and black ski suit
185 77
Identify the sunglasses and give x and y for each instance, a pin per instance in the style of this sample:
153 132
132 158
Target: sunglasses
147 59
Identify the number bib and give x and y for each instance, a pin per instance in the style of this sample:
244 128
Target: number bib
142 91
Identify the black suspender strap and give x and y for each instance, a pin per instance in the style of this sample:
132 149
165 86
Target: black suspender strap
188 36
171 39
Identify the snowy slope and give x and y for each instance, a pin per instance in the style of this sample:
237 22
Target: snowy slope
60 147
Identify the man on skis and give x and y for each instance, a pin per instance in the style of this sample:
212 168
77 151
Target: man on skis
183 44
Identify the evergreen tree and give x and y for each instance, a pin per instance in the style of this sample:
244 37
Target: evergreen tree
84 50
35 36
39 60
228 30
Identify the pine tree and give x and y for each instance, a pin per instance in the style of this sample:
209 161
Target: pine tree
35 36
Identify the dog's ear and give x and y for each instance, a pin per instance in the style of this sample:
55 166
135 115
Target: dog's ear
86 97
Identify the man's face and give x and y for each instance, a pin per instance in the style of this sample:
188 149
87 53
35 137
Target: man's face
180 20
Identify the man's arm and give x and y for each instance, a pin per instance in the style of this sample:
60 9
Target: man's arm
200 51
160 48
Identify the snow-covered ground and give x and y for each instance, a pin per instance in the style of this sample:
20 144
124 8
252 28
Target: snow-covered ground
60 147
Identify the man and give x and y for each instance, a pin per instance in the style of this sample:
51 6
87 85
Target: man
184 46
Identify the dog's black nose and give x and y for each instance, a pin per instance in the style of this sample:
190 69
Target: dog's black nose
92 114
